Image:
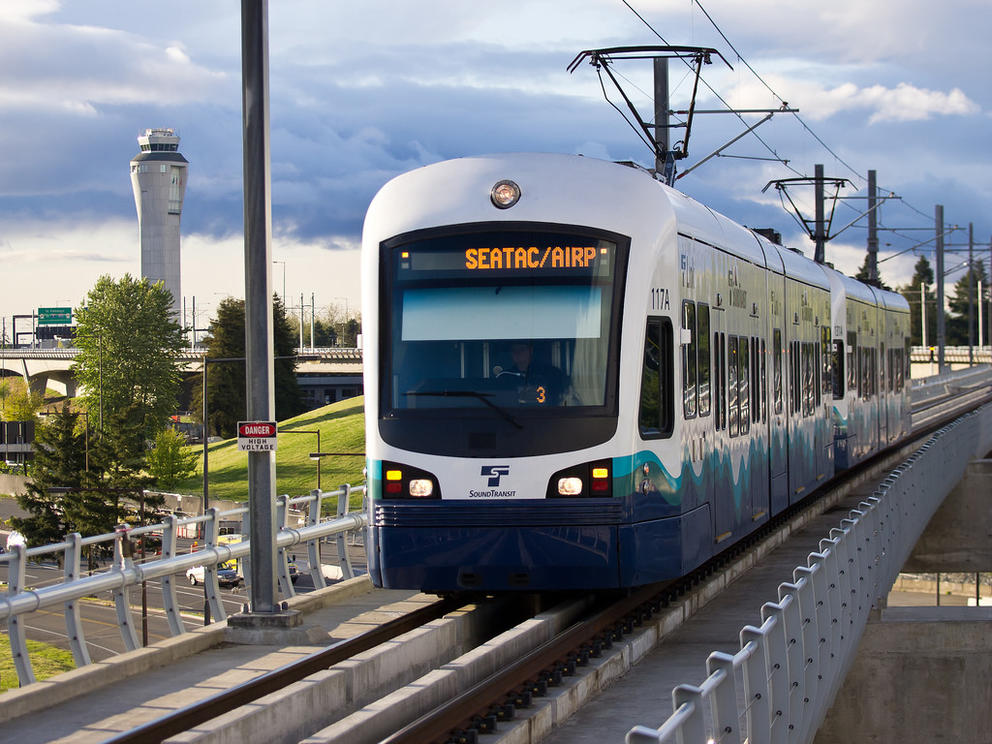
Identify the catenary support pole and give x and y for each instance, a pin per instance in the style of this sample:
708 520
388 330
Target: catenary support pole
258 297
939 219
819 236
872 229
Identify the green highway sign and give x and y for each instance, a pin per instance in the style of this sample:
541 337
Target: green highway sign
54 315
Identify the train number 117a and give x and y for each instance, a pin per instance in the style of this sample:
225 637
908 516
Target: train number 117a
659 299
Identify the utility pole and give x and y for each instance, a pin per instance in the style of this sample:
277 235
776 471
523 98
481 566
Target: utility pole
819 236
971 294
872 230
664 160
258 302
941 337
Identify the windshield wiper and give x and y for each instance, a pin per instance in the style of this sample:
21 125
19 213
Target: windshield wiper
484 397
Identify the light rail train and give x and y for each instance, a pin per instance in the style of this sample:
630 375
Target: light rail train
577 377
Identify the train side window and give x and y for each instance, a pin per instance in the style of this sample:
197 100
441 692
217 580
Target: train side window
853 378
777 369
689 365
815 373
755 382
656 414
764 382
723 380
733 402
826 359
703 352
837 369
744 381
882 370
795 404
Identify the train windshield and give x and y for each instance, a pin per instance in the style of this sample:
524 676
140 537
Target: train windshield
516 322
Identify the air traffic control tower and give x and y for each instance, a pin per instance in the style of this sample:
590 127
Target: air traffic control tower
158 177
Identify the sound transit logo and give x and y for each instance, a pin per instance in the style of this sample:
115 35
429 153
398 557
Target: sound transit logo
494 473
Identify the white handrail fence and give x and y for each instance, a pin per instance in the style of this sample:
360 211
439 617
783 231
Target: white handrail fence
779 686
125 573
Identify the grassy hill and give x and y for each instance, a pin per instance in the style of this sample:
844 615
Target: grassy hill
342 429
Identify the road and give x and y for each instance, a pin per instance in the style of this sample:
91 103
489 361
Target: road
103 636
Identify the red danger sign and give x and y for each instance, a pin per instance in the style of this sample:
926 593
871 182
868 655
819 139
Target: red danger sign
257 436
256 429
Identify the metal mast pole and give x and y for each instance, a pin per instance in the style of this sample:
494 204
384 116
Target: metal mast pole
313 312
971 294
923 314
872 230
939 218
258 297
818 236
664 162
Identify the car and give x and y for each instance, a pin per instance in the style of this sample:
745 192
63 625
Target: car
226 577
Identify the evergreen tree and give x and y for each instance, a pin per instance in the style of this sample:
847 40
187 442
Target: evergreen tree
129 341
966 286
863 276
226 384
922 276
117 469
59 461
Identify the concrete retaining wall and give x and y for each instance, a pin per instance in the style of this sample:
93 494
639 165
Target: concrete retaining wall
921 675
958 538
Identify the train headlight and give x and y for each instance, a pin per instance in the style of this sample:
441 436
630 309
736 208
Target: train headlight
505 194
421 488
400 481
588 480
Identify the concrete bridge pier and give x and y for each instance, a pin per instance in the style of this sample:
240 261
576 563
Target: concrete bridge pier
924 674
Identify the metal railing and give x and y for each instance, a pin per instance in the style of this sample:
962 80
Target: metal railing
779 686
125 573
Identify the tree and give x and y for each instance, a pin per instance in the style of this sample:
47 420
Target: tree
226 383
169 462
863 276
922 276
958 332
21 405
59 459
118 464
129 341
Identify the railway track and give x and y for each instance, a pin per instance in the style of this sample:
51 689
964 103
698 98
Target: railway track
520 657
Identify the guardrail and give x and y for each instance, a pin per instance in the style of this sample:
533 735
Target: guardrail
790 668
126 573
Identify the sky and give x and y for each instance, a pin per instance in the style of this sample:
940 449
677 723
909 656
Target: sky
361 92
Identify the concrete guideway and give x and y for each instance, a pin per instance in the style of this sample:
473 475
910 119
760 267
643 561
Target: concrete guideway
92 703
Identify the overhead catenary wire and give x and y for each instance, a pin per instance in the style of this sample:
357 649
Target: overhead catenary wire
799 119
720 98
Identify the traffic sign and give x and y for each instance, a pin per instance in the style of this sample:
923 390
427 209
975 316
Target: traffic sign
257 436
54 315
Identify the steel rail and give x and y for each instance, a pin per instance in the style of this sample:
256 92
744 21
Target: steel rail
555 653
247 692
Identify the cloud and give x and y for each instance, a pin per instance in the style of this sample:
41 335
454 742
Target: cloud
901 103
77 69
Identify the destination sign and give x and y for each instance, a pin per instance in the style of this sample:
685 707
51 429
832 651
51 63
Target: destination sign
509 254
